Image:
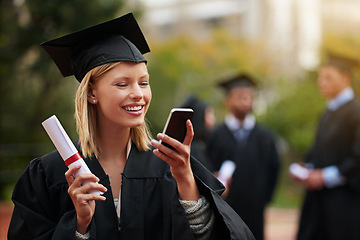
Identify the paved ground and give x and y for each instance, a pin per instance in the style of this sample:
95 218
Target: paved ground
5 214
281 224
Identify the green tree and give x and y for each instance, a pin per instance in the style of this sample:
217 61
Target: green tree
32 88
184 65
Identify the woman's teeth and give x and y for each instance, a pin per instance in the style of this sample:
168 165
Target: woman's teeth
136 108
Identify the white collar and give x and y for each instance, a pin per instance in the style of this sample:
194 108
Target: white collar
343 97
234 124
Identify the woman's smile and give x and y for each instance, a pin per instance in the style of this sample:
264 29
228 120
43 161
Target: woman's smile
134 109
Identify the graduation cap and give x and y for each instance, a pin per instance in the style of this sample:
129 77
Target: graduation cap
342 63
116 40
240 80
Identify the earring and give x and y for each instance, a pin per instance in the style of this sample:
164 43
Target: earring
94 101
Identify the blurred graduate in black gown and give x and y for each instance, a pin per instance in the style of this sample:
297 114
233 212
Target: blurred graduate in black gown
331 209
203 122
251 147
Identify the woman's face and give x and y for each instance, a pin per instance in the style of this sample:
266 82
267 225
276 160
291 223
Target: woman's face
122 95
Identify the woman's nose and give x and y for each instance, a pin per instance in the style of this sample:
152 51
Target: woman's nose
136 92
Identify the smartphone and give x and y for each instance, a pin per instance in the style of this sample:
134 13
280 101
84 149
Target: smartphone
175 126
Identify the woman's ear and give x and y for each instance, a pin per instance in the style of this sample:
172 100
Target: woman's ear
91 94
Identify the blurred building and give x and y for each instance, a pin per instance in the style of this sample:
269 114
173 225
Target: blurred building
341 16
291 29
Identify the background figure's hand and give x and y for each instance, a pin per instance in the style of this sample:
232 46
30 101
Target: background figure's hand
299 173
298 180
315 180
84 203
226 184
179 161
227 188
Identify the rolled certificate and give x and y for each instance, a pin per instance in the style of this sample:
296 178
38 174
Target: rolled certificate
299 171
226 171
65 147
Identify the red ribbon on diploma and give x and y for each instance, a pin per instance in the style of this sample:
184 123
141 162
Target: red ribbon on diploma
72 159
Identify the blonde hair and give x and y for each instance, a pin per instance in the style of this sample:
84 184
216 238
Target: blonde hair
85 115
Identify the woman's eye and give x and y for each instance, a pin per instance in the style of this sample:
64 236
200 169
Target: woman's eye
121 84
144 83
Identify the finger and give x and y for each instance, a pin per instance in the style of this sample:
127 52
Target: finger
163 156
90 187
84 178
70 173
166 139
189 133
84 199
169 140
163 151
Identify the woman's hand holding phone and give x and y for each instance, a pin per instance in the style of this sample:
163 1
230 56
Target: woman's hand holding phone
178 157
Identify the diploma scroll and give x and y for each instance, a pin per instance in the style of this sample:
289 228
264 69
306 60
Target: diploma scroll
299 171
66 148
226 171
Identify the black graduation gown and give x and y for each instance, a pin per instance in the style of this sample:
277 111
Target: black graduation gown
254 179
334 213
198 151
150 208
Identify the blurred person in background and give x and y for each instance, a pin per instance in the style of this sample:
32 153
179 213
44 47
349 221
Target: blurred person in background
252 149
203 122
331 208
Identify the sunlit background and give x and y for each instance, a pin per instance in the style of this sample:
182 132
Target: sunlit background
194 45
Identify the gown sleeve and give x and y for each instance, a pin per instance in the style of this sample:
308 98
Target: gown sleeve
228 224
200 217
40 211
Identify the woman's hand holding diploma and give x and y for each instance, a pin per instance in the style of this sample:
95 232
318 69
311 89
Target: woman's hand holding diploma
84 201
83 185
65 146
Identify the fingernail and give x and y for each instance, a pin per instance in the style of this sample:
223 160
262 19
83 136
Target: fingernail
160 135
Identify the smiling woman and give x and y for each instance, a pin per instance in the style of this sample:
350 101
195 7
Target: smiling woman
109 82
159 194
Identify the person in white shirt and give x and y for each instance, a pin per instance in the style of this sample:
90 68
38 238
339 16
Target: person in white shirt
251 147
331 208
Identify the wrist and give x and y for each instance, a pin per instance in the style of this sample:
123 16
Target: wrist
187 189
82 225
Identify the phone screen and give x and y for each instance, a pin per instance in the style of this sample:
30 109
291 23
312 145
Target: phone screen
175 126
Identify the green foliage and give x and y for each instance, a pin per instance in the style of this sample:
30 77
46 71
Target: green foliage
184 65
294 116
31 85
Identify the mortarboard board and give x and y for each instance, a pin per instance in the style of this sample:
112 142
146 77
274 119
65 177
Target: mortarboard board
116 40
240 80
342 63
